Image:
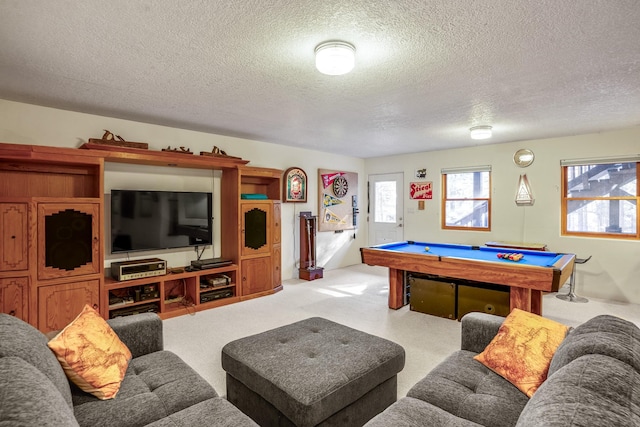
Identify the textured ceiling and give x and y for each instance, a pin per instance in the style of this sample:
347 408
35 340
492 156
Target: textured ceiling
426 70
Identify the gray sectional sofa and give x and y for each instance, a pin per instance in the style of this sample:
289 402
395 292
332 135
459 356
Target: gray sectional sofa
159 389
593 380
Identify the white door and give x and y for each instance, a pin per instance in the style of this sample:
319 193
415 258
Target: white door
386 208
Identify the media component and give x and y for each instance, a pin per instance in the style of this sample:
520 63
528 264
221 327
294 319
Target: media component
127 270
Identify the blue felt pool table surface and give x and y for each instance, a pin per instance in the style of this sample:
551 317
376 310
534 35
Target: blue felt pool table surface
481 253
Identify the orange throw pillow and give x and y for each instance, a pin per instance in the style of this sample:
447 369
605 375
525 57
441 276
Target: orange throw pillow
91 354
522 349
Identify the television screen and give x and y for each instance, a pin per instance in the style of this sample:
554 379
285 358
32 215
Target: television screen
150 220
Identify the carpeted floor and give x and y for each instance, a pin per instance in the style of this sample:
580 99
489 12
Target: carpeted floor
355 296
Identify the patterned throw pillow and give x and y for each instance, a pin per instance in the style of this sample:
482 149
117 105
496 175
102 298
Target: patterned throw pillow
91 354
522 349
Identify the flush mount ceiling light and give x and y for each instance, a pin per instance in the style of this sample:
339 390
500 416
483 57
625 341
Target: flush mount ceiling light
335 58
480 132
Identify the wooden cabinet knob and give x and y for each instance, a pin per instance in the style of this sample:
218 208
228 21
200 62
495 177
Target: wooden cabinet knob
95 306
13 237
12 313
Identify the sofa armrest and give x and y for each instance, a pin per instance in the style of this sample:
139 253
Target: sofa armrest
478 329
141 333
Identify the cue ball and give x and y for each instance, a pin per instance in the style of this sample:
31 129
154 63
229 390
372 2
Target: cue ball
426 248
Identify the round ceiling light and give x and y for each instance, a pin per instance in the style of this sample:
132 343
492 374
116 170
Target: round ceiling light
335 58
481 132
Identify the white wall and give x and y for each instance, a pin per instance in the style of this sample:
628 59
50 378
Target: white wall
613 271
29 124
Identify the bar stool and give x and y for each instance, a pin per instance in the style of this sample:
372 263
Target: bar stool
571 296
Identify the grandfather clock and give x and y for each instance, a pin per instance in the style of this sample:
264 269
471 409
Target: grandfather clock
308 268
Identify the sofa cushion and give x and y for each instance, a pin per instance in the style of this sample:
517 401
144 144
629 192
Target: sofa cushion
216 412
467 389
608 335
522 349
410 412
155 386
20 339
91 354
29 398
593 390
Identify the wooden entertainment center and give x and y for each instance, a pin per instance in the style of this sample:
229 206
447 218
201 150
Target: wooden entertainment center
52 236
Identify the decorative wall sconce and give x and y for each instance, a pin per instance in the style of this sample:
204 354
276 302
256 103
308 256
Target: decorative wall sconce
523 157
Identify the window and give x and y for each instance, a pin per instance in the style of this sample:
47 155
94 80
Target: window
385 197
600 197
466 200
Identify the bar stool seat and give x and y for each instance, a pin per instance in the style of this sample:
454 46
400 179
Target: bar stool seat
571 296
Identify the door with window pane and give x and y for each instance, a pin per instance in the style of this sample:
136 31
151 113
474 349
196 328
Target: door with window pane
386 223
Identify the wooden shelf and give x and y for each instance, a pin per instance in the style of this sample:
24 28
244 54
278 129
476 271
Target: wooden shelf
131 304
185 285
162 158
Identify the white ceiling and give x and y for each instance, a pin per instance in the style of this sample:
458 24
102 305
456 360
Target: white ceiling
426 70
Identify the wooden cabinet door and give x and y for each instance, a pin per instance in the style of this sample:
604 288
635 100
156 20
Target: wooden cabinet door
276 251
256 275
256 228
59 304
14 237
277 225
68 239
14 297
276 261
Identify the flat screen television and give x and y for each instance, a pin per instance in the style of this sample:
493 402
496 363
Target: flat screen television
152 220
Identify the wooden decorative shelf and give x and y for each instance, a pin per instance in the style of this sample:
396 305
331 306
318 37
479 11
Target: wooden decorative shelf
163 158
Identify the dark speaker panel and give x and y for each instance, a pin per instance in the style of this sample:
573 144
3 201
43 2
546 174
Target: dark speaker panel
68 238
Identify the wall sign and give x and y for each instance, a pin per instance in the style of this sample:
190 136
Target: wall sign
524 197
295 185
421 190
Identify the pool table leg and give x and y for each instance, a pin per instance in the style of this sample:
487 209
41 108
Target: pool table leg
396 288
526 299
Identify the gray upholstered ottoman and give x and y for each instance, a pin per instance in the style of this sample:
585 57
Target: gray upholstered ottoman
312 372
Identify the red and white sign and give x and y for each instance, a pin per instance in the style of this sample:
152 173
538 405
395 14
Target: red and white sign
421 190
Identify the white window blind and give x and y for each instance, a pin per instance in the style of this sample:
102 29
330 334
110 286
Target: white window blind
465 169
601 160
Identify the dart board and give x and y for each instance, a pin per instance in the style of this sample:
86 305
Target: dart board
340 187
337 200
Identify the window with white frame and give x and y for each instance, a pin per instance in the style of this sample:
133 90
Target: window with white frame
466 194
600 197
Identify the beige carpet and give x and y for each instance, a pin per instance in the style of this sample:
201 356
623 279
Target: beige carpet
355 296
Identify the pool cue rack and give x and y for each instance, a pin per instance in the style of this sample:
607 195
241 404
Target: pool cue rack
308 269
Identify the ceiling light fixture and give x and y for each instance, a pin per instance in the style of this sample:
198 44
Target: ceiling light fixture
481 132
335 58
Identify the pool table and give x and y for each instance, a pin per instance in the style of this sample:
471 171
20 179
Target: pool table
535 273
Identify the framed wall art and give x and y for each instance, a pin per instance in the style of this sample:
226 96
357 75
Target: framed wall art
295 185
338 200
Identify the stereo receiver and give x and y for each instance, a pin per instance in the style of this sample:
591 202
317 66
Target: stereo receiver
127 270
